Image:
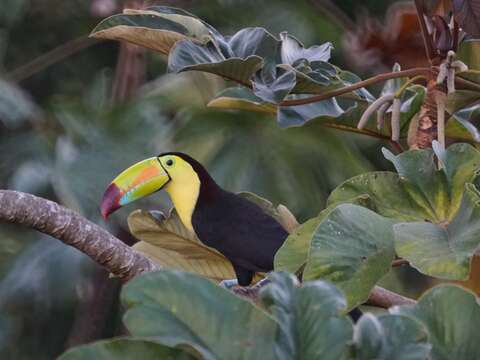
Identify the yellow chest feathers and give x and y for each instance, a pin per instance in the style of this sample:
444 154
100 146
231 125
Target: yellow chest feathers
184 191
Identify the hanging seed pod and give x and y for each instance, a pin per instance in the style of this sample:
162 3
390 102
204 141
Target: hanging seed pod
451 80
396 119
442 73
381 115
372 108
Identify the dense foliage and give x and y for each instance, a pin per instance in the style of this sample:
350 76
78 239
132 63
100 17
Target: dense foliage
424 213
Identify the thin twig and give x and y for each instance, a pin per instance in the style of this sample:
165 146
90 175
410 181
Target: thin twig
358 85
355 130
52 57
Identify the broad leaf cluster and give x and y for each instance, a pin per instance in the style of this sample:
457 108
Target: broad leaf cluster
426 213
291 322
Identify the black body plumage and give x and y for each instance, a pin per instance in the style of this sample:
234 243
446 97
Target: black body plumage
236 227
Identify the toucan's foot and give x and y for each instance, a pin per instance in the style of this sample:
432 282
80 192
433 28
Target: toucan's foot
228 284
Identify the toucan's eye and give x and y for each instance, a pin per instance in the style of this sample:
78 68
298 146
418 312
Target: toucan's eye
169 162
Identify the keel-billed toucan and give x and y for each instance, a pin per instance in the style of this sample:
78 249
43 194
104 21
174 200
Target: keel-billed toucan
234 226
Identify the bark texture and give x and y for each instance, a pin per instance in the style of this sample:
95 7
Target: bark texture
427 128
105 249
71 228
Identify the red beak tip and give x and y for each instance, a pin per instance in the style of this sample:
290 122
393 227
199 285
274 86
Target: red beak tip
104 215
110 201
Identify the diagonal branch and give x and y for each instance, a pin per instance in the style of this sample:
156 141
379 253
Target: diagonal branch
358 85
52 57
105 249
73 229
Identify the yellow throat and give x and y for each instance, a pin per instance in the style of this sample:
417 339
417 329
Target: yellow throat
184 193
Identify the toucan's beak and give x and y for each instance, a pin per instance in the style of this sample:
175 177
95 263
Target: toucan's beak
139 180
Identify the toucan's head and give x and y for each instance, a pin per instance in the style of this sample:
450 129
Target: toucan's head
177 173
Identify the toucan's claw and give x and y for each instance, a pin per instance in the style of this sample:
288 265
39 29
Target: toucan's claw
228 284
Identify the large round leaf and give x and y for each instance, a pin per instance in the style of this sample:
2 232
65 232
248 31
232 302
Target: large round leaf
444 251
353 248
390 337
388 193
125 349
310 318
182 309
293 253
451 316
435 209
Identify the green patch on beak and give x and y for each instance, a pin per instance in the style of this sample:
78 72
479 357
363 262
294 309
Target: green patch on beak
139 180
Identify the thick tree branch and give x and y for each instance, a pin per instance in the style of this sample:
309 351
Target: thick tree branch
121 260
71 228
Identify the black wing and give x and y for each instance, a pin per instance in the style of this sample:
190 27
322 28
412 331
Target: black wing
240 230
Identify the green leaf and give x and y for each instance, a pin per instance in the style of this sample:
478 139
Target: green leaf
390 337
451 315
443 251
274 90
419 170
463 98
435 209
469 53
124 349
420 191
293 50
182 309
353 262
460 127
188 55
157 28
388 193
293 253
241 98
310 318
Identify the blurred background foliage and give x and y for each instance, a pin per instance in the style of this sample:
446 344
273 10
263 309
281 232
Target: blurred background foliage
72 118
